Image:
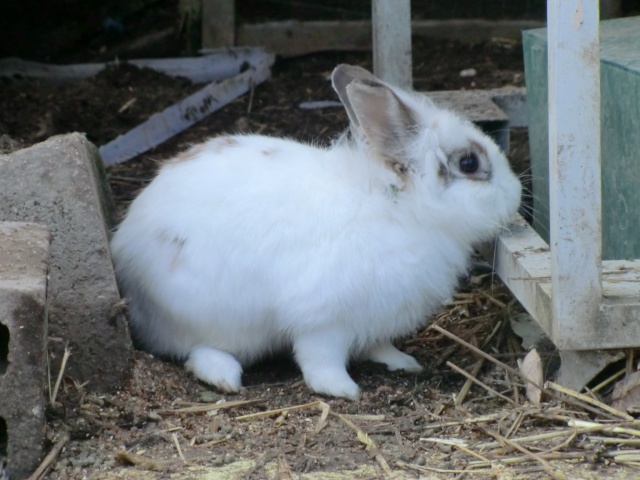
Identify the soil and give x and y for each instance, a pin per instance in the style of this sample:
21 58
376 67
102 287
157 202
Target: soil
147 430
123 96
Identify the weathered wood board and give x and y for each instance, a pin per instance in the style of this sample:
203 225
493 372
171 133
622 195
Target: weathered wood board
523 261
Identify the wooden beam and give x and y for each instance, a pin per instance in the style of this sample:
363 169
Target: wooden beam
180 116
574 171
215 64
391 25
291 38
522 259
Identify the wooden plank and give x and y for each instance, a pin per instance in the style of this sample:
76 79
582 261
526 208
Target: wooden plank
479 107
523 261
574 172
218 23
216 64
164 125
290 38
510 104
391 25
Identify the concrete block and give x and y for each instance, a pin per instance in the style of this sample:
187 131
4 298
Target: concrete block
60 183
24 257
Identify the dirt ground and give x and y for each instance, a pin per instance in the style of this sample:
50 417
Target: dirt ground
165 424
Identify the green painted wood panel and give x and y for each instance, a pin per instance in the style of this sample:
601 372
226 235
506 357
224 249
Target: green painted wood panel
620 116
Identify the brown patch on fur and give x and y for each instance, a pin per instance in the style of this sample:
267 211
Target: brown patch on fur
215 146
269 151
177 243
187 155
476 147
222 143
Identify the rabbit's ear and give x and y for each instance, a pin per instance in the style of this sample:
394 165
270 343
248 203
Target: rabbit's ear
341 77
388 123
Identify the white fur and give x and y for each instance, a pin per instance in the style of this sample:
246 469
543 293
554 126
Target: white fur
253 244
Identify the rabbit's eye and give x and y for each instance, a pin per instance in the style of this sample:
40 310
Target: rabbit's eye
469 163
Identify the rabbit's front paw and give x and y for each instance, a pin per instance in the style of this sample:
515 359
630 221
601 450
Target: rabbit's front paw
216 368
335 383
393 358
322 356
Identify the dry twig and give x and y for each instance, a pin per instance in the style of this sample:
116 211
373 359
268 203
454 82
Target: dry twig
476 368
208 407
369 445
459 444
545 465
534 438
609 380
459 400
598 427
140 461
587 399
324 407
564 444
63 366
50 458
127 104
174 437
423 469
467 421
618 441
545 456
478 382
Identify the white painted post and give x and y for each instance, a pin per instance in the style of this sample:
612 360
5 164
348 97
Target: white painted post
574 166
391 28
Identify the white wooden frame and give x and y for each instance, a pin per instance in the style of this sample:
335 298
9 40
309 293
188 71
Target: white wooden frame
589 308
583 304
392 42
574 168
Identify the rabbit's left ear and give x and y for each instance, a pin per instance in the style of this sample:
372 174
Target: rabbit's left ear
387 122
341 77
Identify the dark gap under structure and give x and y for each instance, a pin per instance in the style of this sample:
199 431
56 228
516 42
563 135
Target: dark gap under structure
4 352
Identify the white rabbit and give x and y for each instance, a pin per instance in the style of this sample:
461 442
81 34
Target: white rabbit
246 245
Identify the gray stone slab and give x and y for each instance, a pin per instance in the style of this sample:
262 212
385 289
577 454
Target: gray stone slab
478 107
61 184
24 257
473 104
